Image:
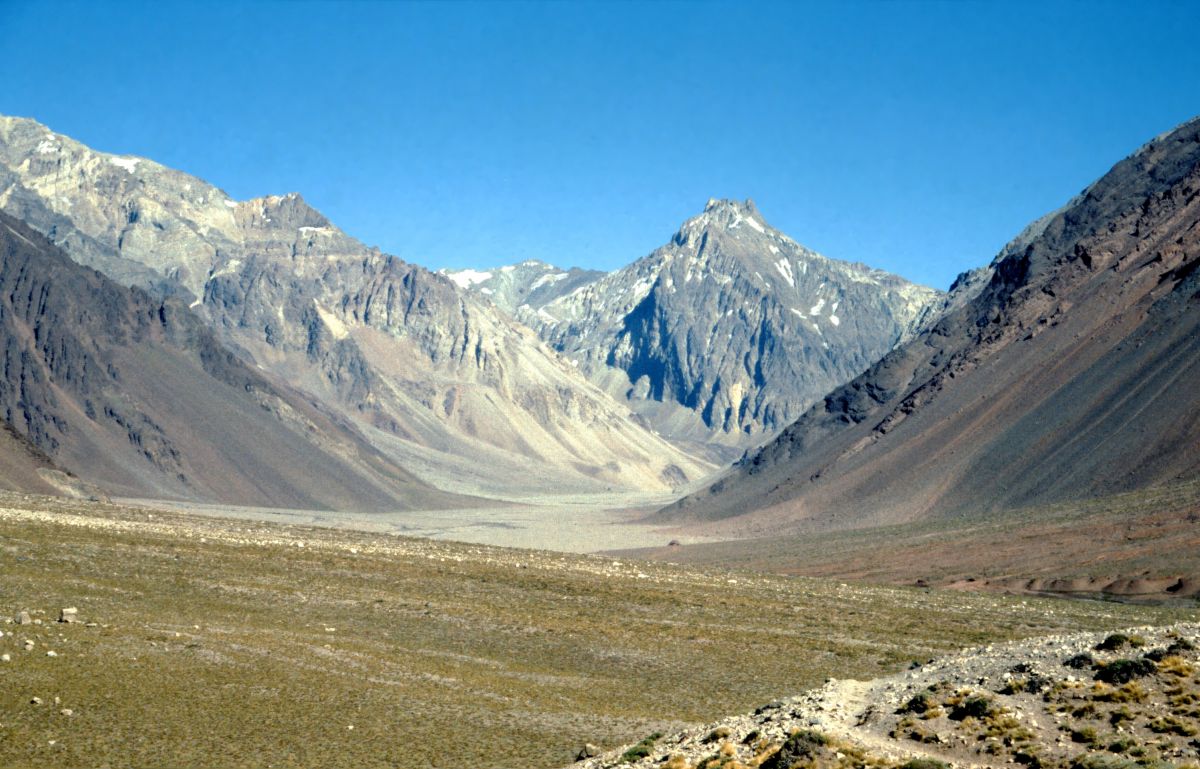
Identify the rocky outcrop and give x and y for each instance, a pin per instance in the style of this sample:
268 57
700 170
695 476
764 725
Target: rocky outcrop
1063 374
1075 701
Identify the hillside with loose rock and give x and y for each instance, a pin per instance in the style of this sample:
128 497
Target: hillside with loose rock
1083 701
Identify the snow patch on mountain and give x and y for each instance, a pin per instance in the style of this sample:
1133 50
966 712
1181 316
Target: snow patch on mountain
128 164
785 269
467 278
553 277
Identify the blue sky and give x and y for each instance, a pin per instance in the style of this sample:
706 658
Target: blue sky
916 137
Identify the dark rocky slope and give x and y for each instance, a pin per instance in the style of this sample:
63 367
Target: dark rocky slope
136 395
1071 374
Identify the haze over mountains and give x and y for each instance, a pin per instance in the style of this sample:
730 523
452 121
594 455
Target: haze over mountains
1065 371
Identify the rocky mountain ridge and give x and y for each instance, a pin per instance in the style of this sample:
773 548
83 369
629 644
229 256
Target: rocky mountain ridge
135 395
439 381
524 286
726 333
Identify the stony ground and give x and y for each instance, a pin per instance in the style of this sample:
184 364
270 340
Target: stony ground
1140 546
219 642
1085 701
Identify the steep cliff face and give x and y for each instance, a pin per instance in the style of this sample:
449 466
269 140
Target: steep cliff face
730 330
438 379
1066 372
136 395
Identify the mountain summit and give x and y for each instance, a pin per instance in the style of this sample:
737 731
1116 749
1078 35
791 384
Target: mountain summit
730 330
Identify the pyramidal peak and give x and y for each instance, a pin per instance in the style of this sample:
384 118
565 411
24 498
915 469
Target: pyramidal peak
728 204
731 329
729 214
736 222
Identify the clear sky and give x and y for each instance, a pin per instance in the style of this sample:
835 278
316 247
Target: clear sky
916 137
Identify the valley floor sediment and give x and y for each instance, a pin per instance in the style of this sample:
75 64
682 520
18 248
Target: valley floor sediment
568 523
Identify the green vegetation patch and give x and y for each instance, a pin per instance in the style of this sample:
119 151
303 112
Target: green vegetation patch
1124 671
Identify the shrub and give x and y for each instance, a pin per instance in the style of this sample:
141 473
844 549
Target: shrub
924 763
1101 761
1086 735
1181 645
1120 745
720 733
972 707
1112 642
1130 692
1124 671
1013 686
1176 666
1156 655
642 749
1118 716
1172 725
1176 649
919 703
1118 641
1036 684
1080 661
803 744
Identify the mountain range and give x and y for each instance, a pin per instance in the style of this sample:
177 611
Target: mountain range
165 340
1065 370
525 378
522 286
724 335
136 396
442 382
